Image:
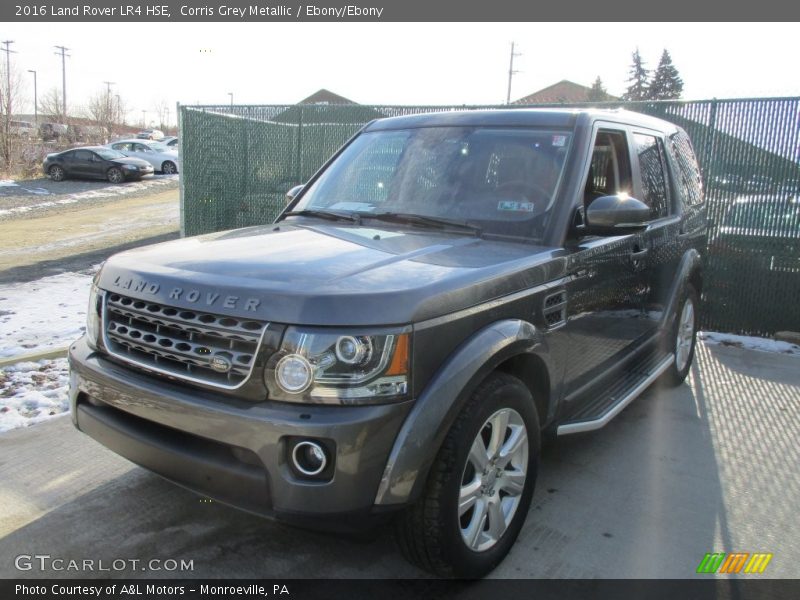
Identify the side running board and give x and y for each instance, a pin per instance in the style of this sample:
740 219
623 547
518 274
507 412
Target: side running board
617 398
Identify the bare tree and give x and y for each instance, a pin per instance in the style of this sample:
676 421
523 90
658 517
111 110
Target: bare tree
11 90
50 105
161 109
102 110
120 111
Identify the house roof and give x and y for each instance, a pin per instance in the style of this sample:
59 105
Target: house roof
324 96
323 106
563 92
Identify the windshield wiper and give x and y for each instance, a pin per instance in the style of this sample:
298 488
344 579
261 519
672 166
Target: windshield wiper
423 221
325 214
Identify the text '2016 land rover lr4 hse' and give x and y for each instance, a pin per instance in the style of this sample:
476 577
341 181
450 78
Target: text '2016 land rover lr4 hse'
448 290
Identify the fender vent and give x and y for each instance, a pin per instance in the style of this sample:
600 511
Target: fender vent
554 309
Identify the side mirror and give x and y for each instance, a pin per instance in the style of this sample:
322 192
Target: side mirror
616 215
292 194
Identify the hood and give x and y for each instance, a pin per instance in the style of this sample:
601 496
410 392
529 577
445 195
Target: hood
129 160
330 274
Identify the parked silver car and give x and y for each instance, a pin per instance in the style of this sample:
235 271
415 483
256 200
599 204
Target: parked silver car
163 158
150 134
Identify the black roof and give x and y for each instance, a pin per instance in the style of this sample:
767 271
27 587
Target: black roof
520 117
92 148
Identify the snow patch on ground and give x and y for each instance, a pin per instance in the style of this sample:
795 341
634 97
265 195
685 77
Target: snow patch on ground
48 313
24 209
31 392
121 190
106 191
747 342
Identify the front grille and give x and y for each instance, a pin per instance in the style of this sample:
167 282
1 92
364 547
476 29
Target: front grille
181 343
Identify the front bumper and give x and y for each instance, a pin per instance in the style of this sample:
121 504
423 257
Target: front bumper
142 172
234 450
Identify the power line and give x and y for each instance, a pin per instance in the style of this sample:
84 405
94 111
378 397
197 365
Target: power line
64 56
511 72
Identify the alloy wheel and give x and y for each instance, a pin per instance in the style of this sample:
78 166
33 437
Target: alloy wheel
493 479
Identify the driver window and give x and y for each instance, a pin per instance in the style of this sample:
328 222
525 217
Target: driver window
610 168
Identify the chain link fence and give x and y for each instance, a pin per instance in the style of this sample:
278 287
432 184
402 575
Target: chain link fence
239 161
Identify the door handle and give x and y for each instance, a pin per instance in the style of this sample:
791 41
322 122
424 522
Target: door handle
637 255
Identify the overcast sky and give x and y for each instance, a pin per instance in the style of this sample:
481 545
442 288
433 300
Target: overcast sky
392 63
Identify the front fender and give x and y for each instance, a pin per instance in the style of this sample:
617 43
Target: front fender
435 410
691 262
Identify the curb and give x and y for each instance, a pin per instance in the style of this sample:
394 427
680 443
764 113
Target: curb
33 357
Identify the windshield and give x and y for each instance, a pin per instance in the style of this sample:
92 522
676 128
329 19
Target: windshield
502 180
159 147
109 154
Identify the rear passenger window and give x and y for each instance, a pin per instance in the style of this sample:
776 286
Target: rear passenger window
688 177
652 166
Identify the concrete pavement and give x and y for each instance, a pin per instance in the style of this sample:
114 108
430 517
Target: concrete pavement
711 466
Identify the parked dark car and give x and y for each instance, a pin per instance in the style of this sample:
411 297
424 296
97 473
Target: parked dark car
95 162
53 131
446 292
755 256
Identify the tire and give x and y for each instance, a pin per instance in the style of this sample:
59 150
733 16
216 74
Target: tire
115 175
57 173
682 338
169 168
431 533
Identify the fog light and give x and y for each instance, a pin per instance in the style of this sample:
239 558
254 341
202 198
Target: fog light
294 374
309 458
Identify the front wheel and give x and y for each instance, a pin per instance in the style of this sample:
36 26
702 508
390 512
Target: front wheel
480 485
57 173
115 175
683 338
169 168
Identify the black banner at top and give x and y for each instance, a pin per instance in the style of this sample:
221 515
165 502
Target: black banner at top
394 11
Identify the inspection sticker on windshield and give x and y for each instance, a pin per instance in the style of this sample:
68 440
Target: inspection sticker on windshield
515 206
559 140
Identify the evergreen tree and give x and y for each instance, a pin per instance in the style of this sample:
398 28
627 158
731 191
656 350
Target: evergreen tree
638 88
598 92
667 84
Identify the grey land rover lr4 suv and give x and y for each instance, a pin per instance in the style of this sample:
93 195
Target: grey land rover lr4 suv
444 293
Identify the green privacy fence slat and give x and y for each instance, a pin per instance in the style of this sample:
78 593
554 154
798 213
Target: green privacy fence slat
238 162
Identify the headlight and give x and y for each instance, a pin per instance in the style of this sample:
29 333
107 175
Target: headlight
93 316
131 167
317 365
